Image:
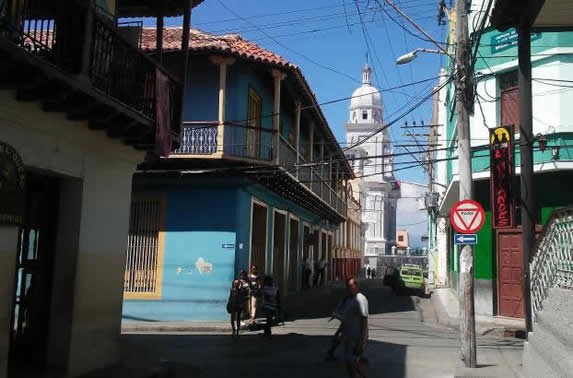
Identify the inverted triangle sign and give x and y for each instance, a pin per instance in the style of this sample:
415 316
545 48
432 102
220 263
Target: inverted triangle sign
467 216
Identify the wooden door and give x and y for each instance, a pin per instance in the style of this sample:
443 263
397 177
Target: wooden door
259 238
510 274
293 254
279 248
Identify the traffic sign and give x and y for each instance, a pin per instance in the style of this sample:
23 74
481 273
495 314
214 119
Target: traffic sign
467 216
466 239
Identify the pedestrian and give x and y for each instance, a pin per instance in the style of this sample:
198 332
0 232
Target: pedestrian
235 306
373 273
319 267
255 293
245 291
271 303
368 271
355 329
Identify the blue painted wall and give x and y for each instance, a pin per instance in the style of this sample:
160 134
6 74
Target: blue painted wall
201 231
202 93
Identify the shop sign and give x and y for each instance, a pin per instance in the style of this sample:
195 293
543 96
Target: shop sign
12 181
501 174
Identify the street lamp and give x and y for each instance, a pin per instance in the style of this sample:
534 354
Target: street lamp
407 58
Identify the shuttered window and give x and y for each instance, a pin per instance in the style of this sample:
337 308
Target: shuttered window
509 90
144 262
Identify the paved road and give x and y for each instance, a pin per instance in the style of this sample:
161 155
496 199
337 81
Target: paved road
404 342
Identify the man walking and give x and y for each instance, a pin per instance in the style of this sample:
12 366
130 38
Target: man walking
355 329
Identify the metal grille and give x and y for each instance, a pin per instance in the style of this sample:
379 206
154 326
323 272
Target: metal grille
198 139
552 265
143 247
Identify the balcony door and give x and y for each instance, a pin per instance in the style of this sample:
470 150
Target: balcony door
254 114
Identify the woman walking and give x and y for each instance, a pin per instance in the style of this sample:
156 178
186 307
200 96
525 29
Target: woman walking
235 306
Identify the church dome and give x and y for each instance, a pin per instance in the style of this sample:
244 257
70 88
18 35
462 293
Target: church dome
366 102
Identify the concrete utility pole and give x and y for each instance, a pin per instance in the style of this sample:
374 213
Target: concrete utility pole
464 88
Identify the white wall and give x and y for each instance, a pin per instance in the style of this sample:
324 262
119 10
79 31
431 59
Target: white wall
50 142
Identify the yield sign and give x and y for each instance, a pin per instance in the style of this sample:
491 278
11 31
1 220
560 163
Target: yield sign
467 216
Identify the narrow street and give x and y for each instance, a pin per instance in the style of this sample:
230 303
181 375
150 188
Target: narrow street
404 341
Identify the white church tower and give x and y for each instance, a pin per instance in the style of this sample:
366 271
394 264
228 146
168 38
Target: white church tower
373 165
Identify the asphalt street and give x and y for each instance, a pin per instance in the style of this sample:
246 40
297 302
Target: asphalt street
404 341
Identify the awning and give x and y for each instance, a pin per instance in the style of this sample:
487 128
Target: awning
542 14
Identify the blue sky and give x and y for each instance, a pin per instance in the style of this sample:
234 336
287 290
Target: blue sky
327 39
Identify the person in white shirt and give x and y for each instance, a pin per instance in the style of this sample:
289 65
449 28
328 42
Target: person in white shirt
355 329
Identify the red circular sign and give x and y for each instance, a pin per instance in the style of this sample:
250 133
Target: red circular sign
467 216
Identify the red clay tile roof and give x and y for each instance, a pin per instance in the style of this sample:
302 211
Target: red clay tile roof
232 44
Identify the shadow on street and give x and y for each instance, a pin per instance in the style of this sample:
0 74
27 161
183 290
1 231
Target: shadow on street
253 356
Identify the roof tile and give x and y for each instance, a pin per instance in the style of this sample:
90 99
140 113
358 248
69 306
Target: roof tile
232 44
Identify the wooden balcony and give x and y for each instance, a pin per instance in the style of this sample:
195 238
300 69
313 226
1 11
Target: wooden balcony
202 143
71 58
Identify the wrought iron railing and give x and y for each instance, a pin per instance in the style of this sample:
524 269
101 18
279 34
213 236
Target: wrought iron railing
248 142
313 178
198 138
57 31
552 264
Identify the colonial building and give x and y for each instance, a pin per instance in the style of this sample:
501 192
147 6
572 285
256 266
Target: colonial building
80 106
369 151
259 179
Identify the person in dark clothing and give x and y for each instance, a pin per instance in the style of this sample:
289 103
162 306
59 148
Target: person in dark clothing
271 302
235 306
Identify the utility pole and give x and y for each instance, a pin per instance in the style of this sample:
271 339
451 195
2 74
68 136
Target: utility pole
528 205
464 88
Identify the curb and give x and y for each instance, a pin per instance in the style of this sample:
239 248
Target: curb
136 328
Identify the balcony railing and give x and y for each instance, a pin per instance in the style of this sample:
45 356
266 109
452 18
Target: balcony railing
200 138
311 177
79 40
552 264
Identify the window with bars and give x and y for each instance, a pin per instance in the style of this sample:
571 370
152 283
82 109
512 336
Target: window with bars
145 246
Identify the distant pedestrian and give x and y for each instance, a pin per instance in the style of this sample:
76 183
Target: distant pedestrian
320 268
271 303
235 306
368 271
245 291
373 273
355 329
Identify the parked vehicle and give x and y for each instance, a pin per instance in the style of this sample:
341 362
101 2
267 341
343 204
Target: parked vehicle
410 277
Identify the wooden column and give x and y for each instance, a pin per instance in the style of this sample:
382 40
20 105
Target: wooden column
159 32
222 62
311 150
297 133
278 76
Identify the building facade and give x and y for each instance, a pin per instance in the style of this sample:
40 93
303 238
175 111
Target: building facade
258 180
369 150
75 120
498 262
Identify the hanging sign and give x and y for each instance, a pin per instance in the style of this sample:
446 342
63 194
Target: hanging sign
501 174
467 217
12 180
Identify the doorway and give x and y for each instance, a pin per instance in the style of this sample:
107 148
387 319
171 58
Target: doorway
510 274
293 254
259 237
279 248
34 273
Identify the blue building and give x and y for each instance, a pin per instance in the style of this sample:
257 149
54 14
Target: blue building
257 179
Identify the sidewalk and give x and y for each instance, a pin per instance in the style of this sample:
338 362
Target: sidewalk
446 304
295 306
